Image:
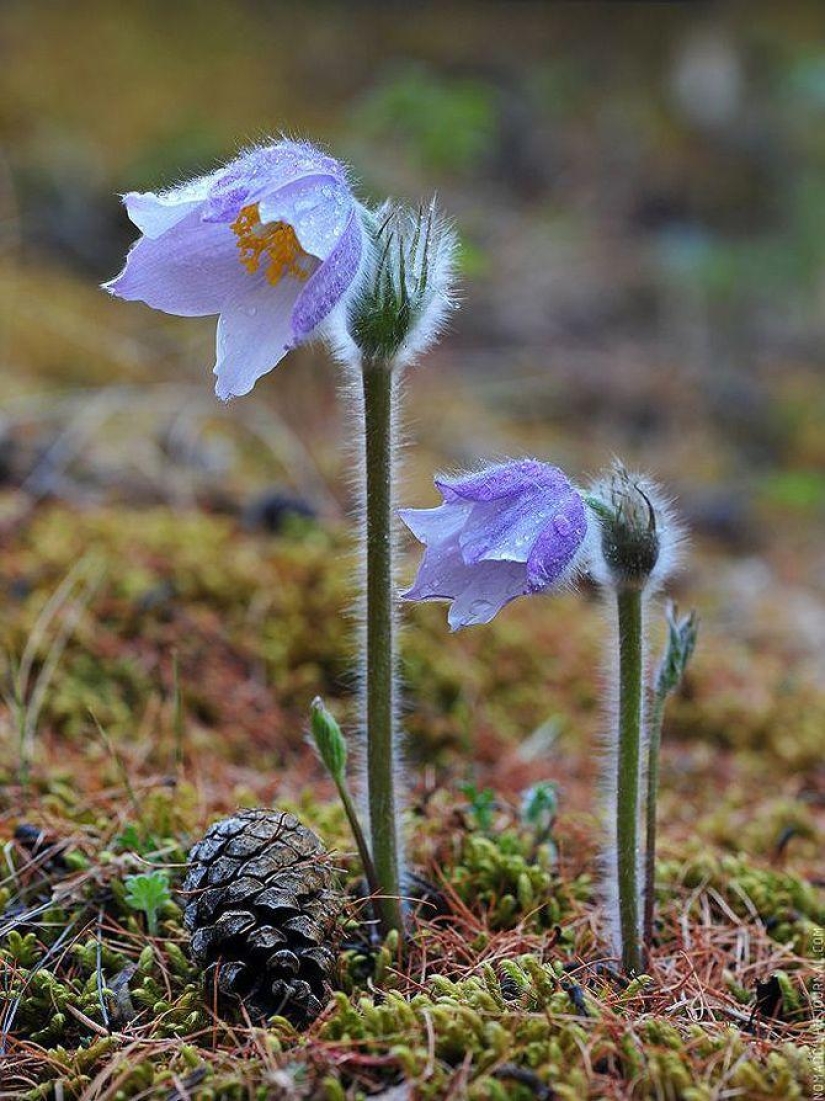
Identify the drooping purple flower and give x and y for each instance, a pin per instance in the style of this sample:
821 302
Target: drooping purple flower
272 242
512 529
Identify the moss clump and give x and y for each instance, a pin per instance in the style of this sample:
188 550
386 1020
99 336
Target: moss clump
519 1033
469 1025
790 909
510 882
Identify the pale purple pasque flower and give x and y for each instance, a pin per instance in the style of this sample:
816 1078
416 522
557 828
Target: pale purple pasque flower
512 529
272 242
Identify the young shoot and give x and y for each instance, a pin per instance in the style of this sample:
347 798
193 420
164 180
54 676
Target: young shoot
148 893
329 741
679 647
539 806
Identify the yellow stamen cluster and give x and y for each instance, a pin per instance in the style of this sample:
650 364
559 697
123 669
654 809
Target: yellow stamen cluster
275 244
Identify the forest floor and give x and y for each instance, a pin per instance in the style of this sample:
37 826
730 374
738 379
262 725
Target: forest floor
162 657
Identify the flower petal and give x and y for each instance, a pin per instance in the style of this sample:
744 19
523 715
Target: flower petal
262 171
317 207
478 592
254 334
505 530
502 480
155 214
558 545
329 283
489 586
191 270
433 526
507 527
437 578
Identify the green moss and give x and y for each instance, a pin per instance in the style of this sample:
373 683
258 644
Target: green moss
521 1009
509 883
791 909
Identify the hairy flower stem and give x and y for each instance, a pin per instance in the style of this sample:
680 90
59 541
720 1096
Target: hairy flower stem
380 642
631 664
651 796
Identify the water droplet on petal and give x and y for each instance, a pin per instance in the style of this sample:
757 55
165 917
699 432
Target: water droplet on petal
562 525
480 609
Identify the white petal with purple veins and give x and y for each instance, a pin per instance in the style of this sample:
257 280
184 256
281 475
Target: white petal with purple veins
191 270
262 171
254 334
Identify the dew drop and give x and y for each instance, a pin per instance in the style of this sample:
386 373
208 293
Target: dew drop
480 608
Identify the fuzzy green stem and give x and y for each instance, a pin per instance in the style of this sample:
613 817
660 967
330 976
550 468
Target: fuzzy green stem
631 665
380 655
656 717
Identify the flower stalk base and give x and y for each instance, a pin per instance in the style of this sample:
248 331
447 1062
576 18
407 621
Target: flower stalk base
378 387
631 665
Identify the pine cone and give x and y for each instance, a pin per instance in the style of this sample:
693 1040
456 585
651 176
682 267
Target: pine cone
262 912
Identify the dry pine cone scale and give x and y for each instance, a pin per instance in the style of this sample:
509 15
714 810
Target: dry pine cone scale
263 913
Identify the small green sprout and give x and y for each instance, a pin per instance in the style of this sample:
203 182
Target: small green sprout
331 746
539 806
482 805
681 642
131 840
148 893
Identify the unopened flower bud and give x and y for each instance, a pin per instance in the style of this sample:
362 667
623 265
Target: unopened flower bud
681 642
408 288
329 739
637 532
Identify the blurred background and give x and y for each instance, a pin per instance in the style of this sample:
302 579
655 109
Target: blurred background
640 195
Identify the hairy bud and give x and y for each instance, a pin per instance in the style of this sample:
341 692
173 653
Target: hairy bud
403 300
638 534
